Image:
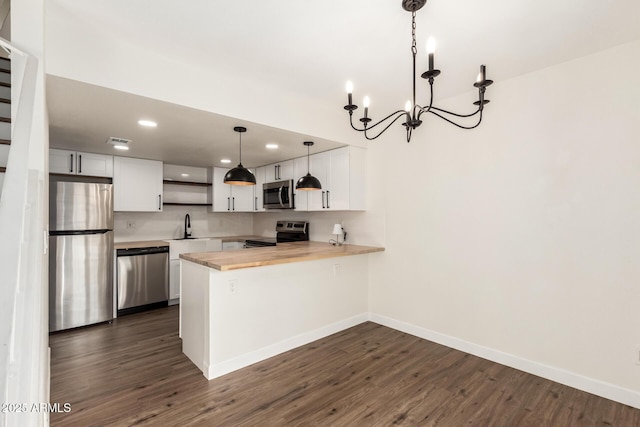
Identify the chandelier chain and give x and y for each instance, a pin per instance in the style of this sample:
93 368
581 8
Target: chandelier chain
414 49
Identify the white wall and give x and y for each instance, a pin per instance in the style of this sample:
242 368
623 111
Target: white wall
522 235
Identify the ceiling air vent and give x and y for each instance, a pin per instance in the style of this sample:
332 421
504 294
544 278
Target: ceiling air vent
119 143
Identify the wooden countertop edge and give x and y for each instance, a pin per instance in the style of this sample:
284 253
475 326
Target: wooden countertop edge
286 258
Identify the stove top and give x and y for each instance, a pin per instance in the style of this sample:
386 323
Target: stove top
258 243
287 231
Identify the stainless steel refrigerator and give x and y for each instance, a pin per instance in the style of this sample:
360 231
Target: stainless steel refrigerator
80 254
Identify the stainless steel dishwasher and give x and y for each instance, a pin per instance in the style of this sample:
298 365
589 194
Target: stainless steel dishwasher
142 278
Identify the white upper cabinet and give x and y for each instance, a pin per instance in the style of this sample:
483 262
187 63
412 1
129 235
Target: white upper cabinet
258 199
342 174
280 171
301 196
230 198
320 169
137 185
80 163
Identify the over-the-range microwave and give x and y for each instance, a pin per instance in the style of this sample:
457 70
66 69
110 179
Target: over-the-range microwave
278 195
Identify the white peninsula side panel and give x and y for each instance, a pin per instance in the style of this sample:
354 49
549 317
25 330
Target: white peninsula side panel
232 319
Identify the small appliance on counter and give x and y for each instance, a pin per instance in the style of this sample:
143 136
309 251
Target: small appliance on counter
80 253
286 231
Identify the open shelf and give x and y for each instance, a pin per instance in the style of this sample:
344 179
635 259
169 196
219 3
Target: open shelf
196 184
186 204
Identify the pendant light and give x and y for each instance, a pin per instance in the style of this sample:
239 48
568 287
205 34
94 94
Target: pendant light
240 175
308 182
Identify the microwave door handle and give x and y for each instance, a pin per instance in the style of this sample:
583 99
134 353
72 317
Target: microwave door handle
280 195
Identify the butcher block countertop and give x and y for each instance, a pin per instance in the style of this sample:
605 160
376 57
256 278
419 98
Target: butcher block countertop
283 253
143 244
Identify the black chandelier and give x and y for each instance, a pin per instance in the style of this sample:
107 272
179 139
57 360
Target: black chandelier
413 112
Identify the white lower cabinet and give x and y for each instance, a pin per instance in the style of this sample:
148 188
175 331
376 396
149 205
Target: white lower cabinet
137 185
183 246
230 198
174 281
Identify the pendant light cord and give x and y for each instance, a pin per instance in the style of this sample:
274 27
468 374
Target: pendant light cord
240 161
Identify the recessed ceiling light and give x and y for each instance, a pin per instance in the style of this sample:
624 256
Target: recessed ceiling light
147 123
225 161
184 175
271 146
121 147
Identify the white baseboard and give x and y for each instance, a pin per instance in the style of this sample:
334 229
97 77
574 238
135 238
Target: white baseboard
219 369
590 385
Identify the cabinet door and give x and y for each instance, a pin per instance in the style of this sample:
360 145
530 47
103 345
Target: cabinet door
94 164
319 167
301 196
279 171
285 170
242 198
174 279
221 192
137 185
258 200
62 161
338 190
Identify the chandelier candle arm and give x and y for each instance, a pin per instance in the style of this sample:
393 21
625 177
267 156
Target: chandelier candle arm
413 111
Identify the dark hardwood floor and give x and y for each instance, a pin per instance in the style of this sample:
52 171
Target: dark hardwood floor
134 373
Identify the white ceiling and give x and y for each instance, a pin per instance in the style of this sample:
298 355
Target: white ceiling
311 49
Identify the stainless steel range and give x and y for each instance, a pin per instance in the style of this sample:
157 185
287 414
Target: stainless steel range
286 231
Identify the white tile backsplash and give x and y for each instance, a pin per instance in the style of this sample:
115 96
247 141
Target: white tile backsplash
169 224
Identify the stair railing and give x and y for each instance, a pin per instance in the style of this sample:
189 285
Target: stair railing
24 360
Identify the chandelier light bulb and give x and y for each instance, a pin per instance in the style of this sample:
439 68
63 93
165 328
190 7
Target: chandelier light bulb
349 88
431 50
407 106
482 76
431 45
366 103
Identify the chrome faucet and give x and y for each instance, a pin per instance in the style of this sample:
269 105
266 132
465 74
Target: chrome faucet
187 226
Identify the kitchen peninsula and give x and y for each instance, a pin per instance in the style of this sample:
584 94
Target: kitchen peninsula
238 308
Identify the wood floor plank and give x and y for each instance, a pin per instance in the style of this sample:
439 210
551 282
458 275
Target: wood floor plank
133 373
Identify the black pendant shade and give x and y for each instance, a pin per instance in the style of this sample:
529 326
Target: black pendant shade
240 175
308 182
